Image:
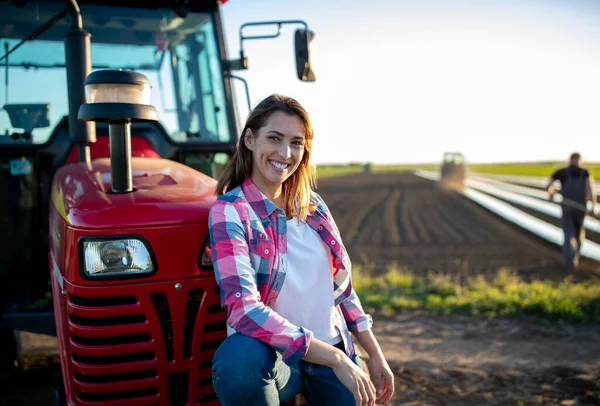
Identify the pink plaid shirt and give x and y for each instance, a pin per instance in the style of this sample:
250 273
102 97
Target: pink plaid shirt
248 236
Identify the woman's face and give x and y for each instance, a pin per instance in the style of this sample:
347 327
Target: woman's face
277 150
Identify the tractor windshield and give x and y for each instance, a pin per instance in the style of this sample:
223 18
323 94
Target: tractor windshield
180 56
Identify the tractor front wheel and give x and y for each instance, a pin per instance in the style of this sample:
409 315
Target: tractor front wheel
60 398
9 354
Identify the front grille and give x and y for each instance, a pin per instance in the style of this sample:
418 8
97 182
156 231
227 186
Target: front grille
117 340
193 305
216 308
107 321
112 378
207 398
209 328
161 306
145 343
103 301
210 345
205 381
178 389
107 397
205 364
113 359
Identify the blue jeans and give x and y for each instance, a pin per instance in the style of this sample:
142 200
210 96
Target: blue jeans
574 232
247 371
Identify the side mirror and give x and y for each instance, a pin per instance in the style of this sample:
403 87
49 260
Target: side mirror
302 40
28 116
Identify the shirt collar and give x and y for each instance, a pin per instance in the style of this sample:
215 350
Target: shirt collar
261 203
257 200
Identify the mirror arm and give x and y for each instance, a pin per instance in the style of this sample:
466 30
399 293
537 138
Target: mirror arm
229 75
237 64
242 63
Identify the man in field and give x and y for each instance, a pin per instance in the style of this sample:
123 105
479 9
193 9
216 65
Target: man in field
577 188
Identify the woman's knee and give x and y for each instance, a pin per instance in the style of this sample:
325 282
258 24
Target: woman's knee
240 357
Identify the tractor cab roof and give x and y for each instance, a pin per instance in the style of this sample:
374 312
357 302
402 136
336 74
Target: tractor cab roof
454 157
126 22
179 5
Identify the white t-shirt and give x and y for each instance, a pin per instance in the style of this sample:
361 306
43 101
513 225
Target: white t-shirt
306 297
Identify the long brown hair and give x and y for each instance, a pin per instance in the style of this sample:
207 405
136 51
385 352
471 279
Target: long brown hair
297 187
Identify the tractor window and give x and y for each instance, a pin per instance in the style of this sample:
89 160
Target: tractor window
211 78
180 57
201 94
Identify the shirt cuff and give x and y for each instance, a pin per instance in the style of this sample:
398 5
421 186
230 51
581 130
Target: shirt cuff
363 323
299 348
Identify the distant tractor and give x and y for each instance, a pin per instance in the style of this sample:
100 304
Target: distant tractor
453 169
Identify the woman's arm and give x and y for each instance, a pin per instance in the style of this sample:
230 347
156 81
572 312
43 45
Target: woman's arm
349 374
381 374
360 324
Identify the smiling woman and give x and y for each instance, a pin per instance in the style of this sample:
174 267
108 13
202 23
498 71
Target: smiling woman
275 142
277 150
285 276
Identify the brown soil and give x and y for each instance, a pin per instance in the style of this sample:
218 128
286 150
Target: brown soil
404 219
437 360
471 361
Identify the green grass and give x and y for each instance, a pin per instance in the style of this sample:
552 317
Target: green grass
327 171
525 169
405 167
505 295
531 169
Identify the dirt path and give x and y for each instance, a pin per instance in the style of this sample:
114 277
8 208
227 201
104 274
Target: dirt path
436 361
472 361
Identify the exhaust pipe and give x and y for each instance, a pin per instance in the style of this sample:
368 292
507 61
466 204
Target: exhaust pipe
79 65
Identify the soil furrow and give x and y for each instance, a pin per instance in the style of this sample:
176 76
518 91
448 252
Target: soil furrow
364 211
390 221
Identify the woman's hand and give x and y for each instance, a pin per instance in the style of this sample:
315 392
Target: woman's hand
357 381
382 377
348 373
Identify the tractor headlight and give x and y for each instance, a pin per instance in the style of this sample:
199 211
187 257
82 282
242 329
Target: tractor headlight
116 258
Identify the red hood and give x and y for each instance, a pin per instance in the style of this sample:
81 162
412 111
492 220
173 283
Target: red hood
166 192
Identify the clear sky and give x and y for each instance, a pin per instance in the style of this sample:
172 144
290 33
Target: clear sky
402 81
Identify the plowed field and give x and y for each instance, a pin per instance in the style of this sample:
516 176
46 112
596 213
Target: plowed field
404 219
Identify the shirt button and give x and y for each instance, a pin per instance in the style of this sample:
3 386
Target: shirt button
238 295
266 252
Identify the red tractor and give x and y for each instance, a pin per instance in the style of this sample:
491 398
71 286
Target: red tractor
106 187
